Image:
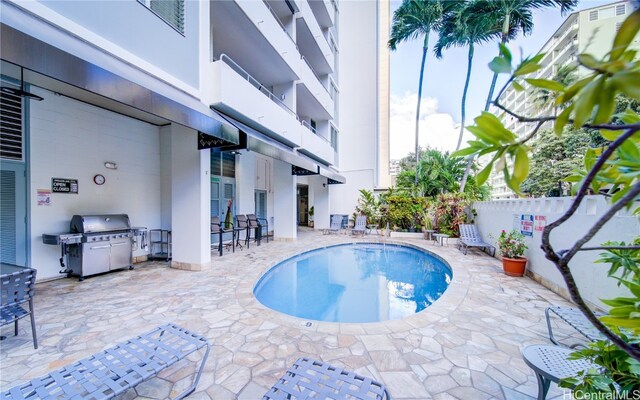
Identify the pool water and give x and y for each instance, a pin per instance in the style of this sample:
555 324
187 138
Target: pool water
361 282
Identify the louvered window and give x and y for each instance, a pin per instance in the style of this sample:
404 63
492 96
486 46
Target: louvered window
621 9
10 126
618 25
8 216
223 164
593 15
171 11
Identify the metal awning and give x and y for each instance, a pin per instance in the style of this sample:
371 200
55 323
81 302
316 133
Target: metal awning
258 142
333 177
48 61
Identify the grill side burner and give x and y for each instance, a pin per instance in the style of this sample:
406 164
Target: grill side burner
97 244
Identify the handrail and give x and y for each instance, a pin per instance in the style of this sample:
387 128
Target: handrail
280 22
308 126
253 81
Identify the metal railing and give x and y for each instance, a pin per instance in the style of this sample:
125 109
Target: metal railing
315 74
255 83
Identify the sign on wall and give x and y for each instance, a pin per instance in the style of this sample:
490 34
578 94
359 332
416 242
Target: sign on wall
526 224
64 185
44 197
539 223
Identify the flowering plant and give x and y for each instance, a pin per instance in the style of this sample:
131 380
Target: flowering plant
511 244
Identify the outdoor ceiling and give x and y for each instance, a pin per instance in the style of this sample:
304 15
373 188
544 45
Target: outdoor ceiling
309 48
321 12
307 105
236 36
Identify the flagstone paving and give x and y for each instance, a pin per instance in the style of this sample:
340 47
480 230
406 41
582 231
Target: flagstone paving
465 346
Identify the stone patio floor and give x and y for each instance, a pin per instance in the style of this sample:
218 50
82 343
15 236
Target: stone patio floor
465 346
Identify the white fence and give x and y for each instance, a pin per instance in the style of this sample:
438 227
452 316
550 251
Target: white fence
531 215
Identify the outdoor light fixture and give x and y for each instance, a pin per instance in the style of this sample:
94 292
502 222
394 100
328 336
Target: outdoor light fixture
20 92
110 165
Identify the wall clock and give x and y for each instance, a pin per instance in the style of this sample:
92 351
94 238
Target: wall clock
99 179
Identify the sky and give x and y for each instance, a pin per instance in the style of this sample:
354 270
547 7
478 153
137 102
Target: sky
444 81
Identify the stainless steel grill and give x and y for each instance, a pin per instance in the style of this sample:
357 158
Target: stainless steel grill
97 244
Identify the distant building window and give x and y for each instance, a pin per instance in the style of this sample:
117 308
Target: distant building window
171 11
593 15
618 25
334 138
621 9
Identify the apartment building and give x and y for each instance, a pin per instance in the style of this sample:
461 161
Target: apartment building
174 111
590 30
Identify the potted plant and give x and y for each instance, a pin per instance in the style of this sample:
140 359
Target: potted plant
512 247
311 212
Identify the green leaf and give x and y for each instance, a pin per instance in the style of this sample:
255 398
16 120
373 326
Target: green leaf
505 52
465 152
628 82
500 65
520 165
528 68
629 151
574 89
586 102
562 120
483 175
492 125
589 61
546 84
482 134
625 35
517 86
610 135
606 105
628 117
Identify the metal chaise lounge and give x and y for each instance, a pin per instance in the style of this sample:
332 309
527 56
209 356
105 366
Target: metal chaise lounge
470 237
335 226
113 371
218 230
576 319
311 379
16 289
360 225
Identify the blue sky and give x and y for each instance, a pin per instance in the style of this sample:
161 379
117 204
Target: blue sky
444 81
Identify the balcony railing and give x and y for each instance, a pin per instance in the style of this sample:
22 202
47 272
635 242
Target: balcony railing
238 69
315 74
255 83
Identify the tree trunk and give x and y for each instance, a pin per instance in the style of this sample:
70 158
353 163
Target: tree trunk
505 33
424 59
464 96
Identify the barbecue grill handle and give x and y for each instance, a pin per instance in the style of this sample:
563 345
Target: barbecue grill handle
119 244
100 247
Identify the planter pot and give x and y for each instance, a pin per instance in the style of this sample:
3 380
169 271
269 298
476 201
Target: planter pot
514 266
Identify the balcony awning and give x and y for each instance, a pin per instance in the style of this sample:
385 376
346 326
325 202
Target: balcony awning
333 177
267 146
108 88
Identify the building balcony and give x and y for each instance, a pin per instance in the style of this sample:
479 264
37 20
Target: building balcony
316 146
239 95
324 12
312 43
323 102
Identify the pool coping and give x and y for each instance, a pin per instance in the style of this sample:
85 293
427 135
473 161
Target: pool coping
440 309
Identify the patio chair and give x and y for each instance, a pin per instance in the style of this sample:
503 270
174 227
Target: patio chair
16 289
311 379
217 229
242 224
258 224
470 237
360 225
576 319
336 224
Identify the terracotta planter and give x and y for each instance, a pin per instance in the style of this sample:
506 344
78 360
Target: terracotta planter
514 266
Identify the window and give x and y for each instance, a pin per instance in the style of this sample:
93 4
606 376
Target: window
334 138
223 164
618 25
11 131
621 9
593 15
171 12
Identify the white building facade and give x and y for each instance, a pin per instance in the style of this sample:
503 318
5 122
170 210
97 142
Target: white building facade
590 31
199 105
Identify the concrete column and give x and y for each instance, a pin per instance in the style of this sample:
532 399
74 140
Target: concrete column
165 177
284 198
245 182
190 201
320 202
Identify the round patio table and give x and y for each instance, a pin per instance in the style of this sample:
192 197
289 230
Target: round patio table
550 364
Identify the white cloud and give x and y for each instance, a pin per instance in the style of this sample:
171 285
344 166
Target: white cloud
437 130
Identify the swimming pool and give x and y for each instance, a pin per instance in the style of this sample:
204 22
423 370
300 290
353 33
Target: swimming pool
358 282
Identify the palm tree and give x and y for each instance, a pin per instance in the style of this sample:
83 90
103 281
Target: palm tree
545 99
465 26
413 19
518 14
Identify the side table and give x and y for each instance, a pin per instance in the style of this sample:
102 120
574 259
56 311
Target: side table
550 364
439 238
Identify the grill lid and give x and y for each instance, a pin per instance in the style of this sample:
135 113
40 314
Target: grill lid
99 223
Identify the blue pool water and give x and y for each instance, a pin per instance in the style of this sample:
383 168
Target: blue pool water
355 283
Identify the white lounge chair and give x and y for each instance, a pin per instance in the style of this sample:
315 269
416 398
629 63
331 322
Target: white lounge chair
335 226
360 225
